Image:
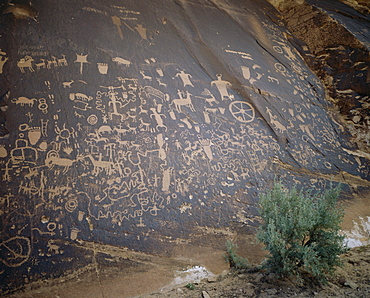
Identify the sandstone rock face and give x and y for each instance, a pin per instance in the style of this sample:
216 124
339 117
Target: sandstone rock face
151 124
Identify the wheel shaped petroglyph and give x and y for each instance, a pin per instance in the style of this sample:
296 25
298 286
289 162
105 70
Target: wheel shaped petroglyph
242 111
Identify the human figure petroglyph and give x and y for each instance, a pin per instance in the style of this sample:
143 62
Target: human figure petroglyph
82 59
185 77
114 103
181 101
158 118
64 133
25 62
222 87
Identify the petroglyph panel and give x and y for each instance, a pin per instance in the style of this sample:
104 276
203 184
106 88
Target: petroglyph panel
157 118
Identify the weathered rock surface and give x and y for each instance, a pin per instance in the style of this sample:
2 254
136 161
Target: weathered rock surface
151 125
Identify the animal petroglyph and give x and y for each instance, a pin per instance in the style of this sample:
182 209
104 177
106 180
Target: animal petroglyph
52 63
79 96
68 84
62 61
181 101
53 159
25 62
41 64
101 165
155 93
121 61
281 128
22 101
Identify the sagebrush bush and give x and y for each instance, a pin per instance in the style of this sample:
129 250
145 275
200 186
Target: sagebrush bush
232 257
301 231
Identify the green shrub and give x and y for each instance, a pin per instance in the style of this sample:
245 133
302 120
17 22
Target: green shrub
232 257
190 286
301 231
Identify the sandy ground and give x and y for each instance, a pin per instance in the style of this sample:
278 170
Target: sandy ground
353 280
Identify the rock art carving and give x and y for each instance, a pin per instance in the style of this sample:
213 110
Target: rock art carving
25 62
22 101
15 251
185 78
117 22
183 101
242 111
82 59
121 61
222 87
3 60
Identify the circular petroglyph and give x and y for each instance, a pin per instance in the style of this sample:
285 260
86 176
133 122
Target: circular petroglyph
71 205
45 219
242 111
51 226
277 49
280 67
92 119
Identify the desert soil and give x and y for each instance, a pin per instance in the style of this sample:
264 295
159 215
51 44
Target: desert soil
352 280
